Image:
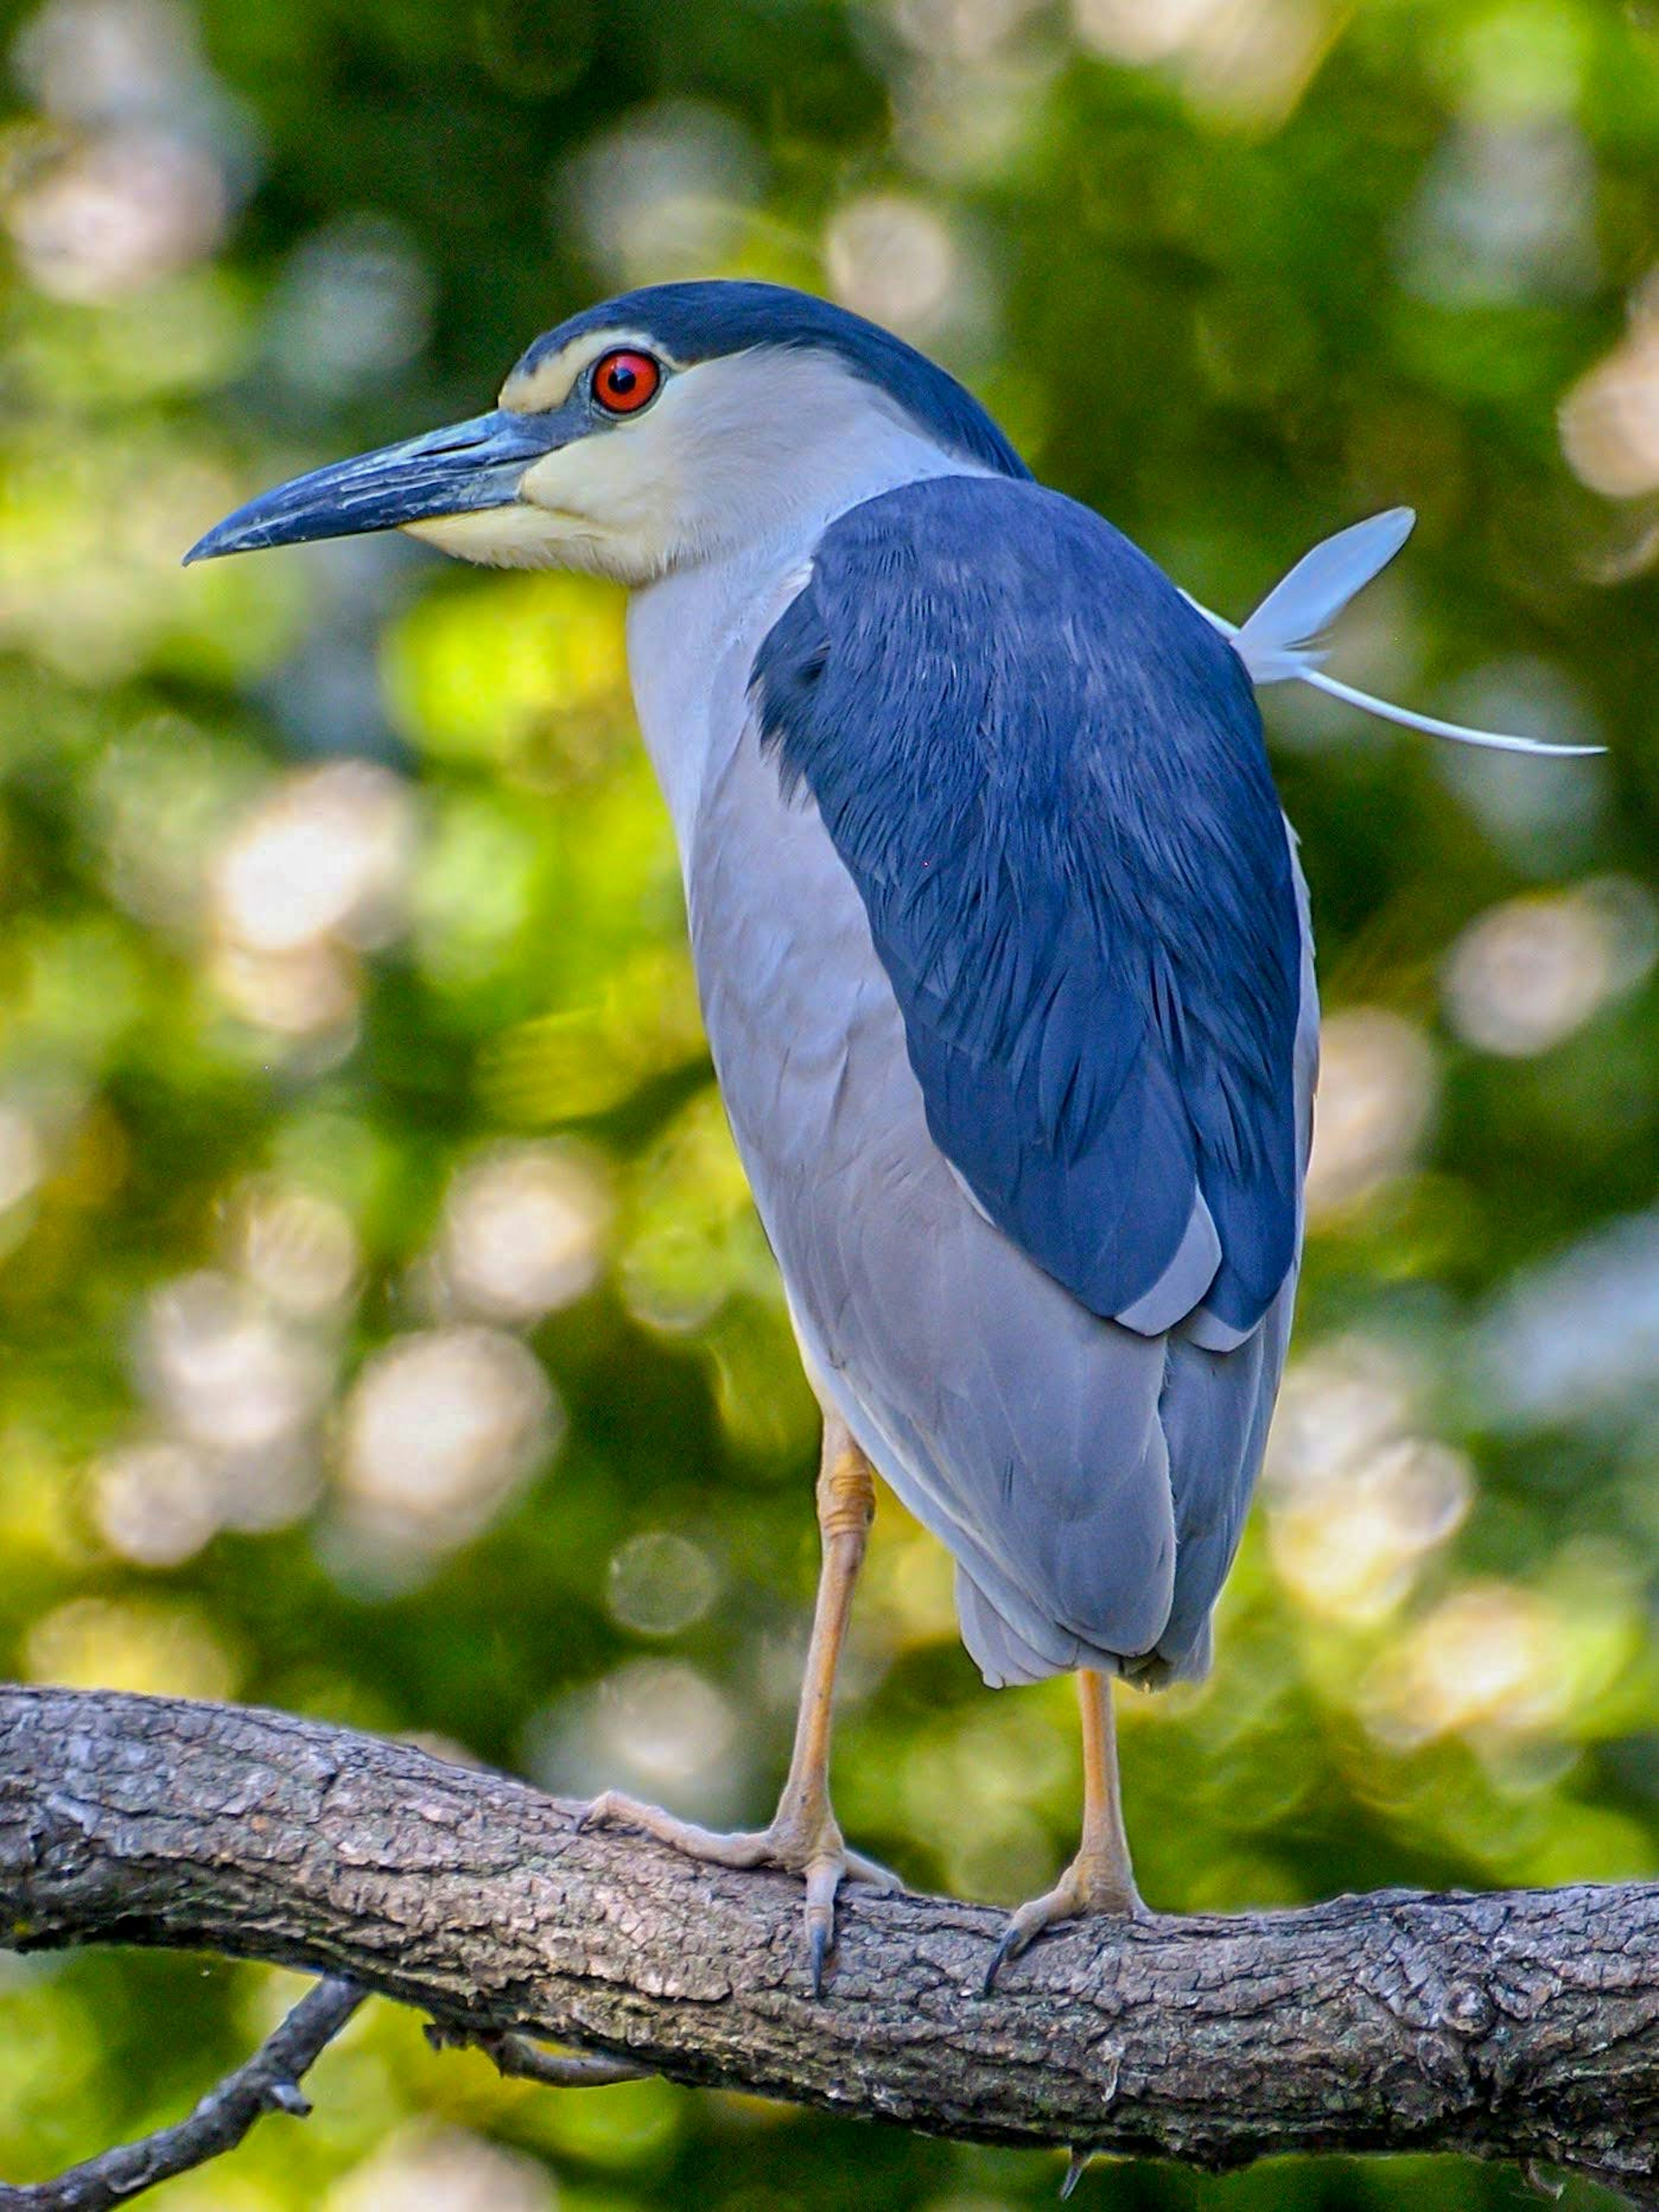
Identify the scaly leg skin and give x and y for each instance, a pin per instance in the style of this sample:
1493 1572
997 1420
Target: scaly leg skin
804 1837
1100 1879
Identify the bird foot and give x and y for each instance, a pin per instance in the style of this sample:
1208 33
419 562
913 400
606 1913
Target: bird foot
1088 1885
803 1838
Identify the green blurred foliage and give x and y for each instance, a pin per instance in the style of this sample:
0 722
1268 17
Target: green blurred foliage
386 1332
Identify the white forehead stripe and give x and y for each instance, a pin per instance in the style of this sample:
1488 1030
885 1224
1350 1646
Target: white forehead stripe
549 384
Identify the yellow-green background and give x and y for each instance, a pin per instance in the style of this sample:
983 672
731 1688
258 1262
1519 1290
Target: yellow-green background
385 1333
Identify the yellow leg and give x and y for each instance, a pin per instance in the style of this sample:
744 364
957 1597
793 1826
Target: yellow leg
846 1507
803 1836
1100 1879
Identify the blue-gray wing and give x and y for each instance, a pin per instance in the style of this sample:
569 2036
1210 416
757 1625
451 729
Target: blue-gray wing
1045 774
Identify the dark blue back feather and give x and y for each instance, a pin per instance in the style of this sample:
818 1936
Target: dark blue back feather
1045 774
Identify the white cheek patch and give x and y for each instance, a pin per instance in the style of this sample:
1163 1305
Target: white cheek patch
618 478
622 487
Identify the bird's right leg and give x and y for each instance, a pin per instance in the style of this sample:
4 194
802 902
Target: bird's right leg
804 1836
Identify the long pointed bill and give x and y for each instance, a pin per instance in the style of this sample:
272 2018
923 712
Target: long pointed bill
456 470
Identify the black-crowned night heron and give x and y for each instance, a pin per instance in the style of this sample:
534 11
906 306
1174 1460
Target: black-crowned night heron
1004 956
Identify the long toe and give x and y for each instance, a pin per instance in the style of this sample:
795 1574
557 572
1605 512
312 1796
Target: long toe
813 1849
1024 1925
831 1864
743 1847
859 1868
1071 1897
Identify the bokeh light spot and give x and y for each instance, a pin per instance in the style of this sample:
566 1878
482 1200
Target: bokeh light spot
1377 1087
148 1649
224 1371
894 260
1526 974
423 2168
1358 1501
441 1427
325 854
156 1504
524 1231
297 1248
658 1583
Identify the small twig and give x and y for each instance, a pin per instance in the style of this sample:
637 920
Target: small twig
268 2082
521 2060
1076 2165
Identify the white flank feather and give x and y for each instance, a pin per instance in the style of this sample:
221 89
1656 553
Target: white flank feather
1280 641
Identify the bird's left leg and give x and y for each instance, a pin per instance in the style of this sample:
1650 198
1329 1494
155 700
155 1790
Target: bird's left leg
1100 1879
804 1836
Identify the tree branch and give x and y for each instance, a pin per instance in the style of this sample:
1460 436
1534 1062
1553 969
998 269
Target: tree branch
1521 2026
269 2082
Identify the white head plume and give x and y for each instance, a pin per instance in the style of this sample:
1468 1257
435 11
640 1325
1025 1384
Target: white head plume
1281 642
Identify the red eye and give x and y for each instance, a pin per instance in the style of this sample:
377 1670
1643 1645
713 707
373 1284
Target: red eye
625 382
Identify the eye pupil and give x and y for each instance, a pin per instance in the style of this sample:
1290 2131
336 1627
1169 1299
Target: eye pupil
623 382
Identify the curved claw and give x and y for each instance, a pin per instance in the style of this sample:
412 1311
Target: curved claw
823 1879
1010 1944
1030 1921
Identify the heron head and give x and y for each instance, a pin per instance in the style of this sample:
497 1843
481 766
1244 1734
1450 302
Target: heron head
669 424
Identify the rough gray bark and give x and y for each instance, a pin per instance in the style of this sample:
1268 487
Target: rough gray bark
1522 2025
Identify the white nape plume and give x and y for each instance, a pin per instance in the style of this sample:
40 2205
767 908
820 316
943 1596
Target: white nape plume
1281 642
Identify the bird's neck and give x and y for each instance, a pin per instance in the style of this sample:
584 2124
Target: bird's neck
693 633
